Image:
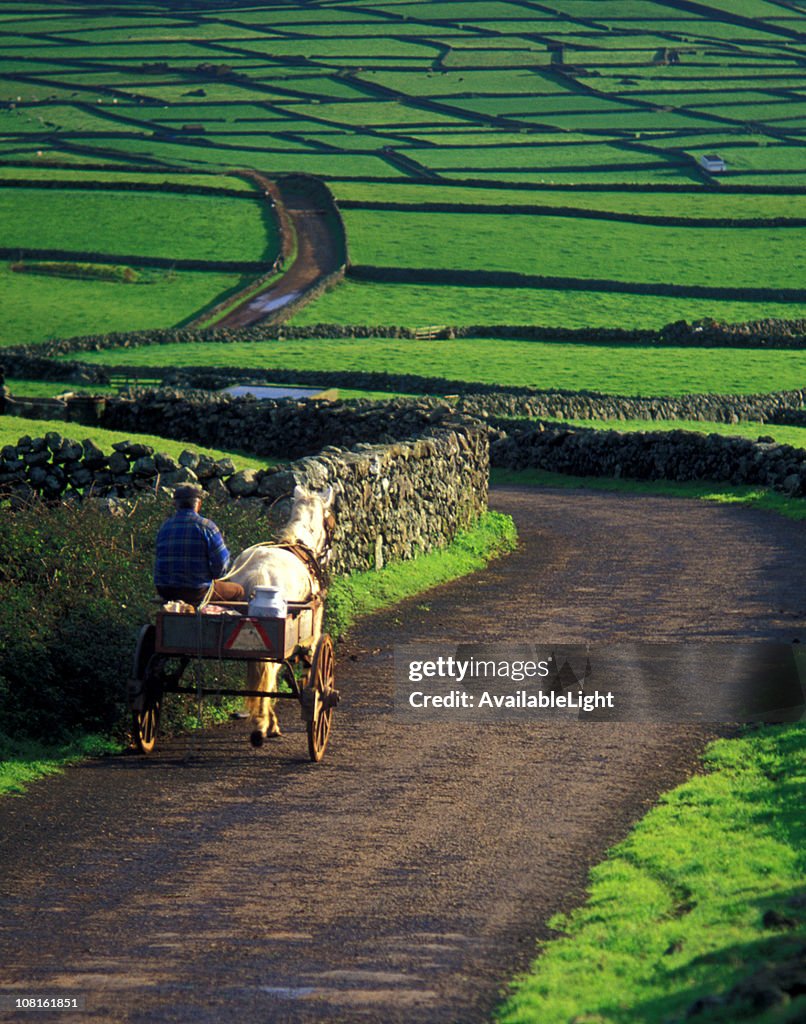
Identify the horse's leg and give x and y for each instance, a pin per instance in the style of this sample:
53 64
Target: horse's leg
262 676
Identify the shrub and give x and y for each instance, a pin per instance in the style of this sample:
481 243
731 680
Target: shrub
90 271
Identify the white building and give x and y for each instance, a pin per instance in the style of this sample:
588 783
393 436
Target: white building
712 162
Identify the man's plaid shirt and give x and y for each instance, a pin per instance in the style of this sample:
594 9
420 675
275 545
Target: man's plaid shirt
190 551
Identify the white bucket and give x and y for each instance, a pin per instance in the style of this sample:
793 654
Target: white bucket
268 603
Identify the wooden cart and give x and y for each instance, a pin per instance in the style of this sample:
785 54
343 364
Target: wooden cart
165 649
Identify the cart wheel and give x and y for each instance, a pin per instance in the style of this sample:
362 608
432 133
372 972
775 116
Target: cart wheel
320 697
145 690
145 723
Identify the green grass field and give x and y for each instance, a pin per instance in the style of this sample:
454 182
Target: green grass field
693 204
37 308
625 370
626 95
166 225
747 257
795 436
416 305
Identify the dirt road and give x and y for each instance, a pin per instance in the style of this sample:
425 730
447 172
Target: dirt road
317 255
404 878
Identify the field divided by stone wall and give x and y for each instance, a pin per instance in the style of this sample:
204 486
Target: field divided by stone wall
507 164
602 108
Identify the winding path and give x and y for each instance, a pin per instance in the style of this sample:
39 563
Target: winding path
404 878
318 254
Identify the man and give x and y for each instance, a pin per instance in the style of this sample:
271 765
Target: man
191 554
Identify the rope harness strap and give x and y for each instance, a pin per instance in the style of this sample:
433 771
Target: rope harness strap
309 560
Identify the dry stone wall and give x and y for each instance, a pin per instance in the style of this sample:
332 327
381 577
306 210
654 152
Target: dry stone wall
398 500
477 400
276 428
407 473
654 455
394 499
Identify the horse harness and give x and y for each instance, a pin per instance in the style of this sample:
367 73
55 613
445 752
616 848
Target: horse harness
309 560
308 557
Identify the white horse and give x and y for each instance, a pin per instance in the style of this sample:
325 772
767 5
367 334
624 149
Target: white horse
288 566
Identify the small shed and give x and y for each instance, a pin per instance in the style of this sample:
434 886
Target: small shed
713 163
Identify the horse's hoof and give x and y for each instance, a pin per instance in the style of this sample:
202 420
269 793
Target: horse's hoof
256 738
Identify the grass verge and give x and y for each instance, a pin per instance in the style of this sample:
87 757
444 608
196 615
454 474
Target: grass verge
23 761
362 593
705 490
700 913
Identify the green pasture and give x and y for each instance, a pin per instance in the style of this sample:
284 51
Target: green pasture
167 225
693 204
461 135
201 110
369 114
629 370
533 105
198 151
674 81
22 388
471 10
38 308
122 52
492 156
747 8
770 111
784 178
519 54
723 137
161 34
707 97
562 177
258 141
344 50
765 158
458 83
349 140
417 305
564 247
44 118
478 100
12 428
618 121
123 178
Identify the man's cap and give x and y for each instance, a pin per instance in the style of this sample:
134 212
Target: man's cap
186 491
